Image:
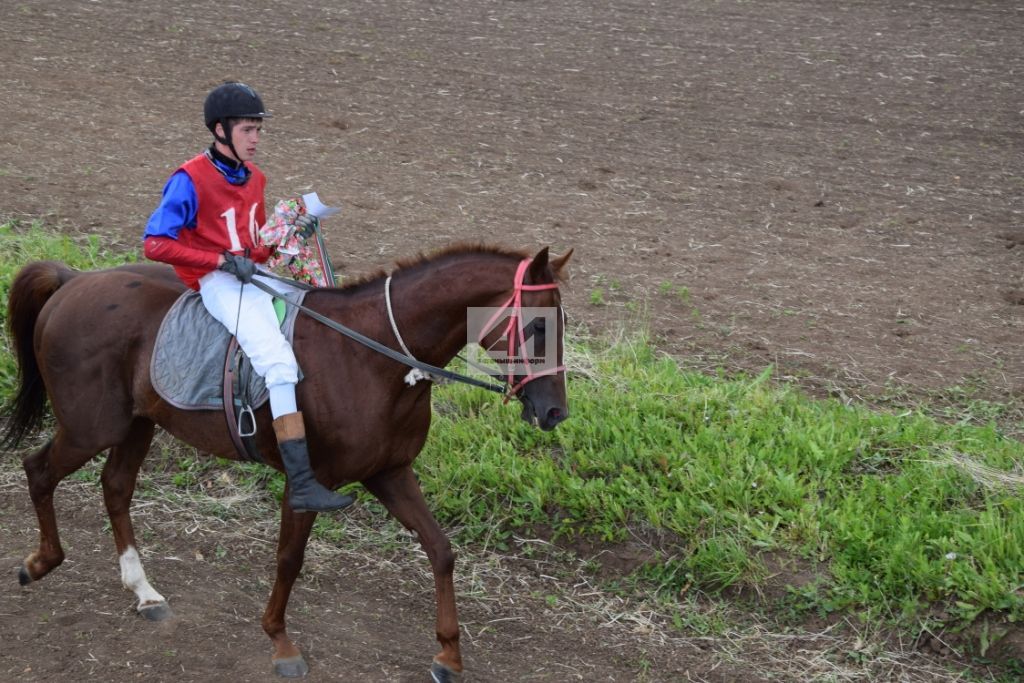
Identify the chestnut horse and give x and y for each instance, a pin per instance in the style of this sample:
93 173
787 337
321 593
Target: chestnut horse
85 341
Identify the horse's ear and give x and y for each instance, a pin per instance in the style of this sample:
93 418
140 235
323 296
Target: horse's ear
559 264
538 265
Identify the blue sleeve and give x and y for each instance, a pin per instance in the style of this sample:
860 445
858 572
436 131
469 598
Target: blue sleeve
177 210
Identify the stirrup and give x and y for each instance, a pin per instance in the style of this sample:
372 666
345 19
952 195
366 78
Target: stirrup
246 411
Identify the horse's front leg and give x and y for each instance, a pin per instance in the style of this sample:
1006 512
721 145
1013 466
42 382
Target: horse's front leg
400 493
291 550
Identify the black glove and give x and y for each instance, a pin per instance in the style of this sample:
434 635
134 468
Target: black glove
305 225
240 266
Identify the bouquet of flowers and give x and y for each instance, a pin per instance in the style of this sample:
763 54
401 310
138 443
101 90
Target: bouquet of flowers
293 254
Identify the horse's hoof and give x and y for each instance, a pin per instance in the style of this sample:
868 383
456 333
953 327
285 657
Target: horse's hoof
291 667
158 611
24 578
439 673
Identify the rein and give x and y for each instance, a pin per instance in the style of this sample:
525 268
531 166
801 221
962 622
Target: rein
426 368
514 333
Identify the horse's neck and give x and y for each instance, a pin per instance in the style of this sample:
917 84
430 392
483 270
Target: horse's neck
430 304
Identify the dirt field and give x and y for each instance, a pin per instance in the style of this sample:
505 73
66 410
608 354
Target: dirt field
832 188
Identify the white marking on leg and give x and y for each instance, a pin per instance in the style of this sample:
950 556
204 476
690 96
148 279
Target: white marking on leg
134 579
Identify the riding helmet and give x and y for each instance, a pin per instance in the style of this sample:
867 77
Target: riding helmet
232 100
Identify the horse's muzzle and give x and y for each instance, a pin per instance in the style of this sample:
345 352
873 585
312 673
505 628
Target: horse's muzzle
553 418
546 421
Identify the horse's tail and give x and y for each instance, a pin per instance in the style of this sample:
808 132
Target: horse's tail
31 289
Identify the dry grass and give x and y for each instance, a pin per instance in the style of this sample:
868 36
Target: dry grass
988 477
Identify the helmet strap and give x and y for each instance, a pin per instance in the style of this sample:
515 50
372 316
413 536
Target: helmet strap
225 140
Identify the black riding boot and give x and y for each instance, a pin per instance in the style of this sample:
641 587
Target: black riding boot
306 494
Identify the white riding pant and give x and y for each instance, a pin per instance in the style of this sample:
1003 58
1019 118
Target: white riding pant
248 313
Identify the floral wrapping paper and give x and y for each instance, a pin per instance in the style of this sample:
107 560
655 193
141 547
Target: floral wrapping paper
293 254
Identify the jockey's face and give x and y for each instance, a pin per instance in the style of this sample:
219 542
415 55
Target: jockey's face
245 136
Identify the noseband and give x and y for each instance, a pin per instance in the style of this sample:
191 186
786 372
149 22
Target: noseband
514 333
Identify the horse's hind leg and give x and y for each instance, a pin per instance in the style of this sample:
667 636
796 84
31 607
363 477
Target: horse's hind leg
45 469
119 477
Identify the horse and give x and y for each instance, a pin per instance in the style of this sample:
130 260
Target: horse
84 341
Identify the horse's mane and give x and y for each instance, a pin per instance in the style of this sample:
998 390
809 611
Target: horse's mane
422 259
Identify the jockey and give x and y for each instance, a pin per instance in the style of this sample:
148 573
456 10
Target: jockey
206 227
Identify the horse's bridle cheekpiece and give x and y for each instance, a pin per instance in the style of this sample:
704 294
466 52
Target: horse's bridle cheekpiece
515 334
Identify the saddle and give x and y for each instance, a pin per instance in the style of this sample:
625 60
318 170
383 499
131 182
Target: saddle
198 365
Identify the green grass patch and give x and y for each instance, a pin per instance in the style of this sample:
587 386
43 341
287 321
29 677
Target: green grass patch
889 508
884 504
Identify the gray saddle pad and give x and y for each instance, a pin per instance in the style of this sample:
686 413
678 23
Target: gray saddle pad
187 368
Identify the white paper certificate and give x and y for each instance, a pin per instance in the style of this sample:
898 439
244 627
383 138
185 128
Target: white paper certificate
316 207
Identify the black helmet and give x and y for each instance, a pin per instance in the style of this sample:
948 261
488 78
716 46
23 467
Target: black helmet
232 100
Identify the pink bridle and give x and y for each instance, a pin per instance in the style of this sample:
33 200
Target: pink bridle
514 332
